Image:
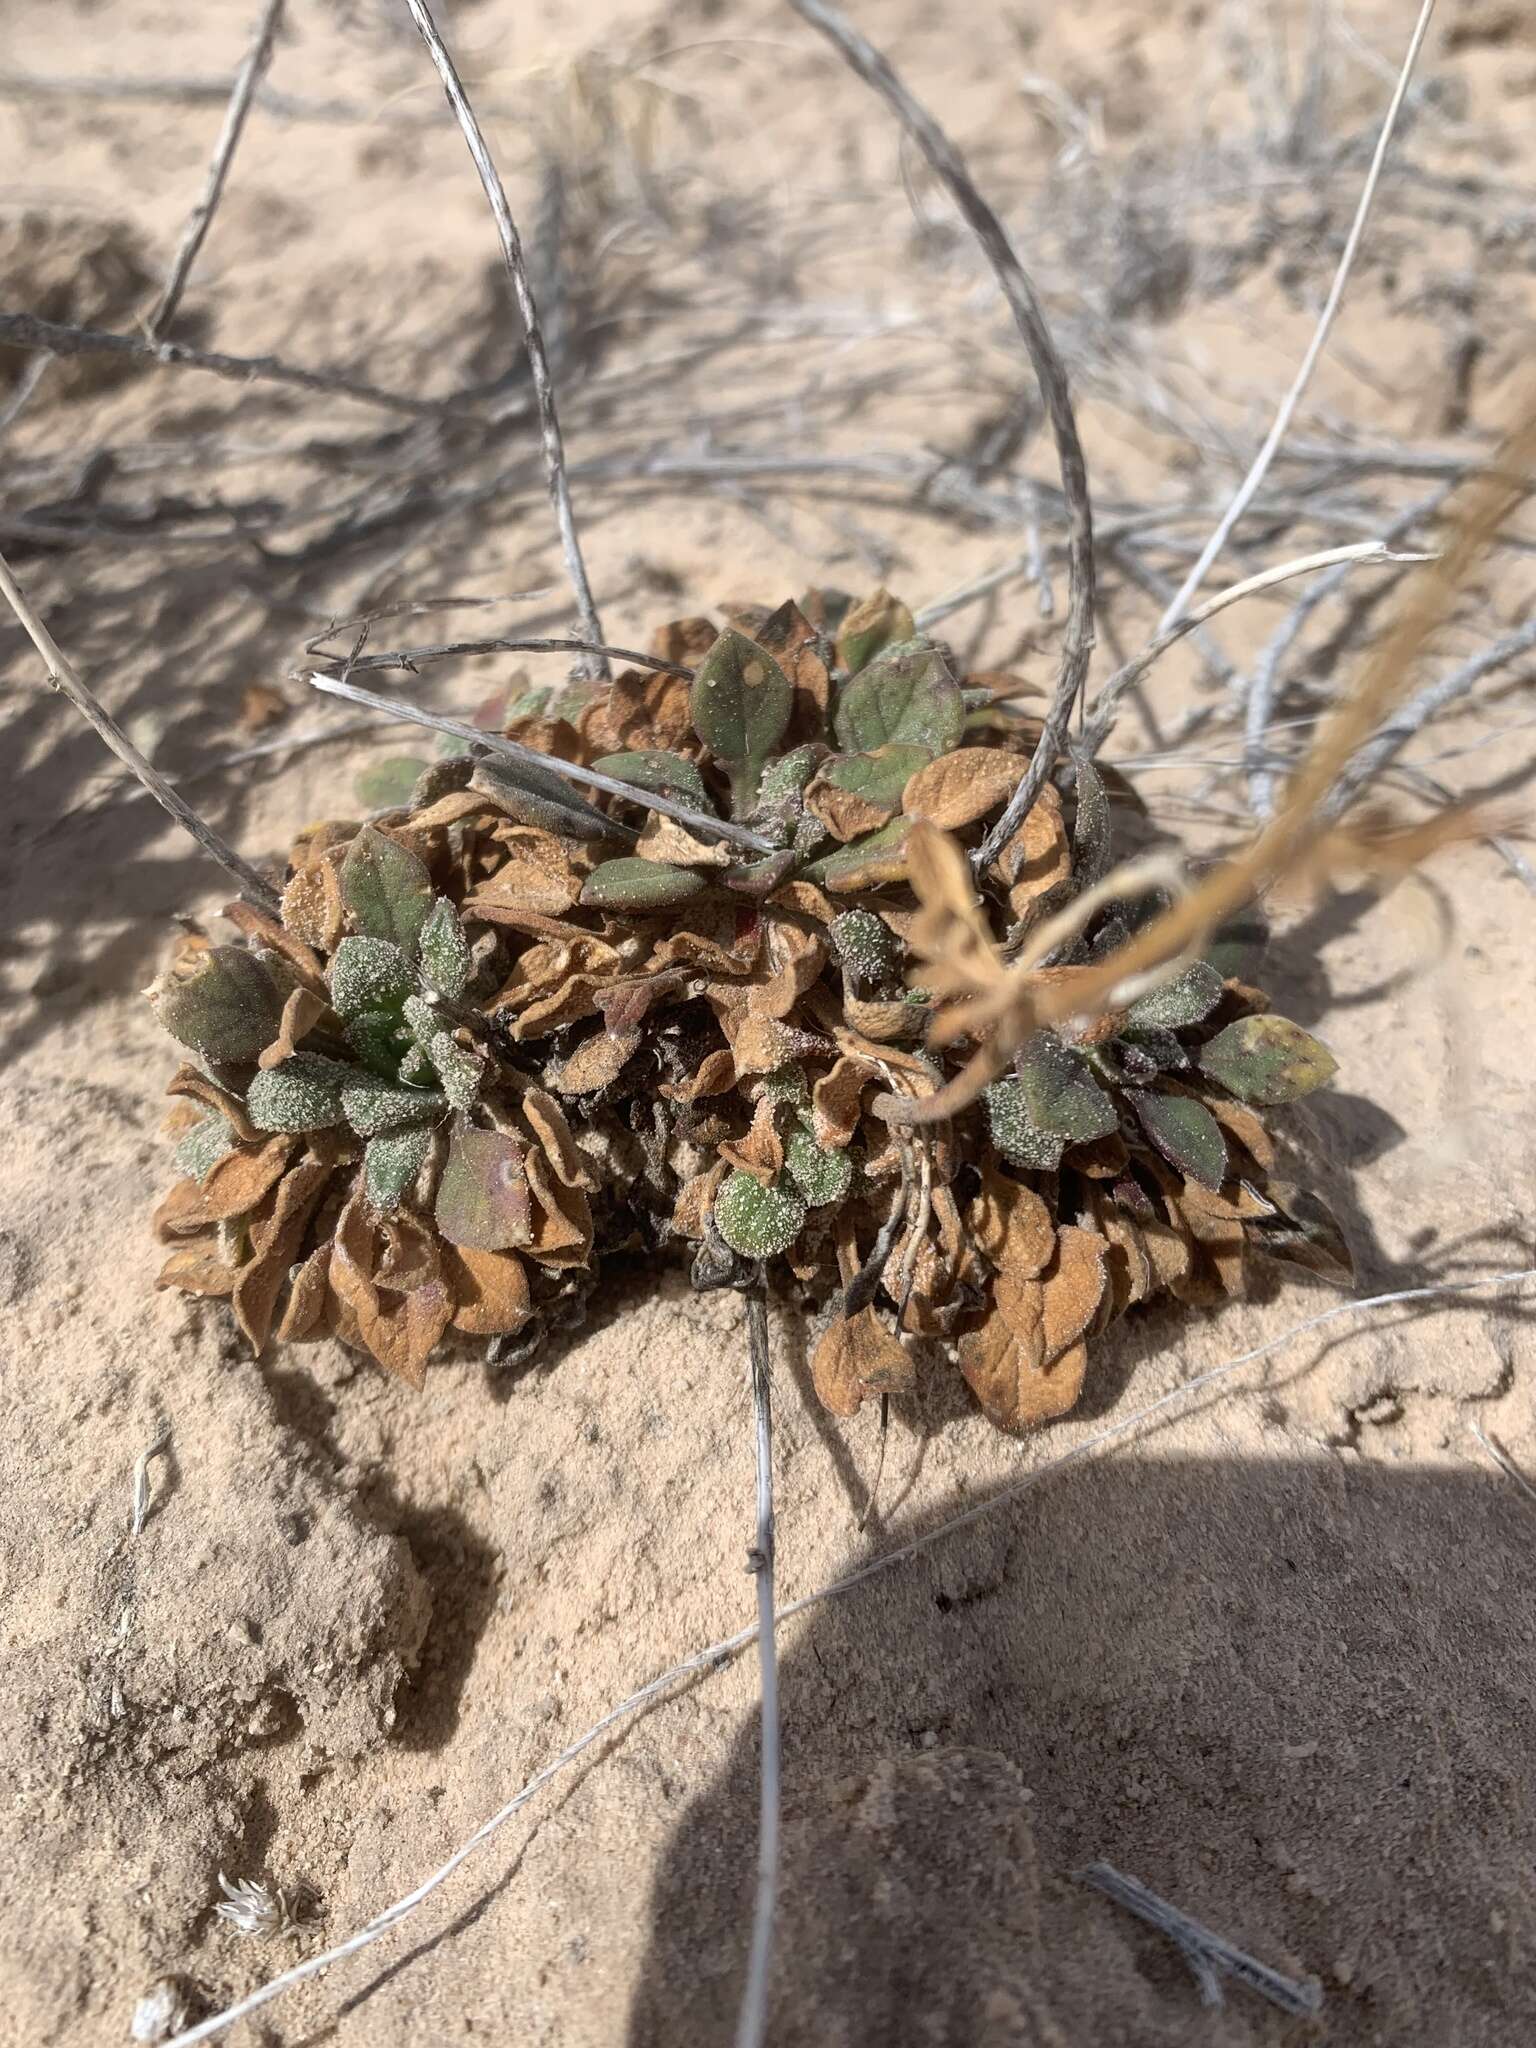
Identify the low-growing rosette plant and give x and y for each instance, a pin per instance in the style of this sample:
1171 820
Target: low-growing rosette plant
505 1027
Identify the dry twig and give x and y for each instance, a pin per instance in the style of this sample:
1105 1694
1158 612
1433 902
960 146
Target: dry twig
1259 689
23 330
141 1493
949 167
200 92
1508 852
1209 1955
63 677
412 658
1303 377
1105 705
26 389
533 336
246 81
496 743
1416 714
1505 1464
752 2022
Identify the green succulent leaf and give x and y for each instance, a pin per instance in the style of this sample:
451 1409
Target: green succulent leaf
502 709
1059 1094
483 1200
822 1175
760 1222
380 1040
460 1071
1267 1060
844 861
389 785
906 697
879 777
201 1148
227 1008
422 1019
1143 1052
368 974
538 796
869 627
786 1083
653 769
1014 1132
442 777
637 884
386 889
372 1106
446 963
788 776
757 878
391 1163
740 704
1093 842
1188 999
1185 1132
302 1093
865 943
416 1070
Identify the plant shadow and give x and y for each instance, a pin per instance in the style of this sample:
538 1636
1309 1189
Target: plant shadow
1287 1695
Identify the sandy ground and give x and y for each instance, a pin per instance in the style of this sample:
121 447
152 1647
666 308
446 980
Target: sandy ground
1274 1653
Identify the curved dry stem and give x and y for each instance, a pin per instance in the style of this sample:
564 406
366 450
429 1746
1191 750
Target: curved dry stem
948 166
200 220
1107 703
53 338
533 333
1248 488
63 676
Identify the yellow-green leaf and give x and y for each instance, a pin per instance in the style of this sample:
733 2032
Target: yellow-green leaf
1267 1060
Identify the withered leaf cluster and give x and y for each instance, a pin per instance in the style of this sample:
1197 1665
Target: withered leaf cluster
504 1028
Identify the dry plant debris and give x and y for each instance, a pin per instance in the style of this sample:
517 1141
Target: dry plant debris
499 1031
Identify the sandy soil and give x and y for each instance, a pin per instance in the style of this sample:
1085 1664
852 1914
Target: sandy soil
1274 1654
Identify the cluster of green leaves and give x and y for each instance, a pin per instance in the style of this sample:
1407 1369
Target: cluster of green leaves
894 707
392 1069
761 1220
1148 1077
